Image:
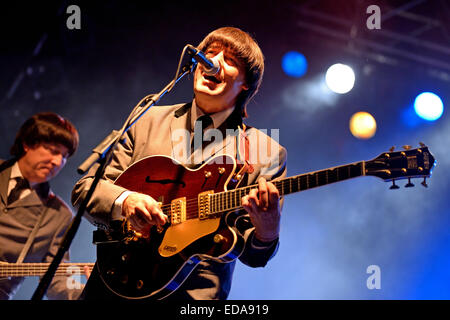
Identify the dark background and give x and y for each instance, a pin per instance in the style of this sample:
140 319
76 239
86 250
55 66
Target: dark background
330 235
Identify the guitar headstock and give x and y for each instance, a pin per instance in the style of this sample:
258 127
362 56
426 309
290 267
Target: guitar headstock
406 164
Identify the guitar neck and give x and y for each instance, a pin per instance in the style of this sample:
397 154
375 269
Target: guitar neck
39 269
231 200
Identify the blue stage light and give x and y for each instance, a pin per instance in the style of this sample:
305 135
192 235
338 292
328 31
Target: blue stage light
294 64
428 106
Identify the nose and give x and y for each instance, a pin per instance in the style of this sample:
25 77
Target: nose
219 58
57 160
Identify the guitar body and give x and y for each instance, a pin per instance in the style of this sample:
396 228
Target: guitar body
136 267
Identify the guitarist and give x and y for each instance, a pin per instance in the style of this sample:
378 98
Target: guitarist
223 98
32 218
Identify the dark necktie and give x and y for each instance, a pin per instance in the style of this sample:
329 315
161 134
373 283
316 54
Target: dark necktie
21 185
199 129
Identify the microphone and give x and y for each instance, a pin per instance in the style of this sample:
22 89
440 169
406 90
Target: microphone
210 67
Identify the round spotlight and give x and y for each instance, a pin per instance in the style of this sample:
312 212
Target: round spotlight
363 125
294 64
428 106
340 78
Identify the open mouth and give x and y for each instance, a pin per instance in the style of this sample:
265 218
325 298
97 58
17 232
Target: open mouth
212 78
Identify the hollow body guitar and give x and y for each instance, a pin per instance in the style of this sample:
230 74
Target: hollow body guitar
136 267
206 216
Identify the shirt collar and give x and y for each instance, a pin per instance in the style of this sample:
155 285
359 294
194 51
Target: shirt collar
16 173
218 118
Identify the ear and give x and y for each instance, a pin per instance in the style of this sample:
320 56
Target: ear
244 86
27 147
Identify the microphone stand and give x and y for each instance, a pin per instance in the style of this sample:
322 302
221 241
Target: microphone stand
102 154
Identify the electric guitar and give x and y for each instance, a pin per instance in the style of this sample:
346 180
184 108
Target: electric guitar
206 216
39 269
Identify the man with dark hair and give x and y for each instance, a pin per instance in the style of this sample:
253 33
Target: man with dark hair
33 219
218 106
246 51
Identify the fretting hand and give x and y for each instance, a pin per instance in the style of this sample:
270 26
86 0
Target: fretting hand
263 206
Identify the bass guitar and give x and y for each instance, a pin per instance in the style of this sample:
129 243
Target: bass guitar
39 269
205 216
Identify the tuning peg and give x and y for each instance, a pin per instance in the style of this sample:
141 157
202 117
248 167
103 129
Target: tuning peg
391 149
394 186
406 147
409 184
422 144
424 183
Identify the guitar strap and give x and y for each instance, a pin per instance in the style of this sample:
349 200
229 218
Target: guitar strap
243 152
31 237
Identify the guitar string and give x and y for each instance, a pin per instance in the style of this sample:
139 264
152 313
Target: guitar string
31 271
40 268
280 184
224 203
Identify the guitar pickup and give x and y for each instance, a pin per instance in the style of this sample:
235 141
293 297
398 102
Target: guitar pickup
178 211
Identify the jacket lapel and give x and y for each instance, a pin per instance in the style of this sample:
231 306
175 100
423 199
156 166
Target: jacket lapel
179 124
37 197
4 181
29 201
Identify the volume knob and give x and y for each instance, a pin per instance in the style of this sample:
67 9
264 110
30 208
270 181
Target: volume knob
218 238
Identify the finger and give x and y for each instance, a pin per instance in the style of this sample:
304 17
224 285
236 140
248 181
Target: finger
274 194
158 214
253 199
161 218
263 194
141 218
150 209
164 218
246 204
86 271
144 213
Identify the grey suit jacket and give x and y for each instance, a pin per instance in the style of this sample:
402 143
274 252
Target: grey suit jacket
17 220
158 133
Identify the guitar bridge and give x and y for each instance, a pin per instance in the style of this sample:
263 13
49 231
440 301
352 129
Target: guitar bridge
204 201
178 211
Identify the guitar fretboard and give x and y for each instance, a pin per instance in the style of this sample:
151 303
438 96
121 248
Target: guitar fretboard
231 200
39 269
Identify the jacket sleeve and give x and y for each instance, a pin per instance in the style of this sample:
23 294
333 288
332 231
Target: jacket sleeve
256 253
100 205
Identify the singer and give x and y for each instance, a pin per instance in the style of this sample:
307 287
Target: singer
220 102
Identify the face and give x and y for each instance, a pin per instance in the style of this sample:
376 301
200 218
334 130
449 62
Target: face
42 162
219 92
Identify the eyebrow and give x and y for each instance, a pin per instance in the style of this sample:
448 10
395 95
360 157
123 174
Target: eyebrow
230 50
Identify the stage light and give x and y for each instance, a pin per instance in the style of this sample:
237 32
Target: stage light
428 106
294 64
363 125
340 78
